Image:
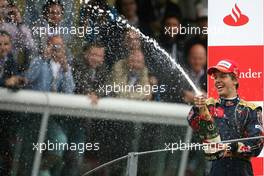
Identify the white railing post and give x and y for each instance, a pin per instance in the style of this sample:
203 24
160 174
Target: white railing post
41 139
132 162
185 153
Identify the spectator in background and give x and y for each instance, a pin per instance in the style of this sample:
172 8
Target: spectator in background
131 72
3 3
97 20
23 43
170 39
10 78
154 82
103 27
155 13
3 12
128 8
90 72
90 75
87 20
197 61
8 67
51 71
173 43
33 11
52 18
202 22
132 40
128 41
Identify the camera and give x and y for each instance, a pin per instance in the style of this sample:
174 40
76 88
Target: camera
6 14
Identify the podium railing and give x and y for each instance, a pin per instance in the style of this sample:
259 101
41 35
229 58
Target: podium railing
80 106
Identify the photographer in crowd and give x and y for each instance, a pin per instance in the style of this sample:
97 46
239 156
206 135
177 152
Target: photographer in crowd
51 71
23 47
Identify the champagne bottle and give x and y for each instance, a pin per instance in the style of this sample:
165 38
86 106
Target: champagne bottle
208 130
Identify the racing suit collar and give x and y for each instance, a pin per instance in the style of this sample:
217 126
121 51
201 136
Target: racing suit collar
229 101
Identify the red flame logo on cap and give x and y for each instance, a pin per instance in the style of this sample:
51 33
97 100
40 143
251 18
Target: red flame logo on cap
236 18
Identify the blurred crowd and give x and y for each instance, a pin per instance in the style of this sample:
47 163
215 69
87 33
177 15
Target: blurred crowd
43 55
79 48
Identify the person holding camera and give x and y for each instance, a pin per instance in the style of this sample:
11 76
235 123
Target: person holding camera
51 71
227 118
23 44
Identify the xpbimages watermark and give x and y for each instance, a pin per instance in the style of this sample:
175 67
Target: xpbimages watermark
183 30
191 30
124 88
60 30
181 146
51 146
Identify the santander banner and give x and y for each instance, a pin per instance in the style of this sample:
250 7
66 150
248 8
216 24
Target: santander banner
236 32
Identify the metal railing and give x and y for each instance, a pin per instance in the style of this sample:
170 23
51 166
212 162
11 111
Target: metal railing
107 108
